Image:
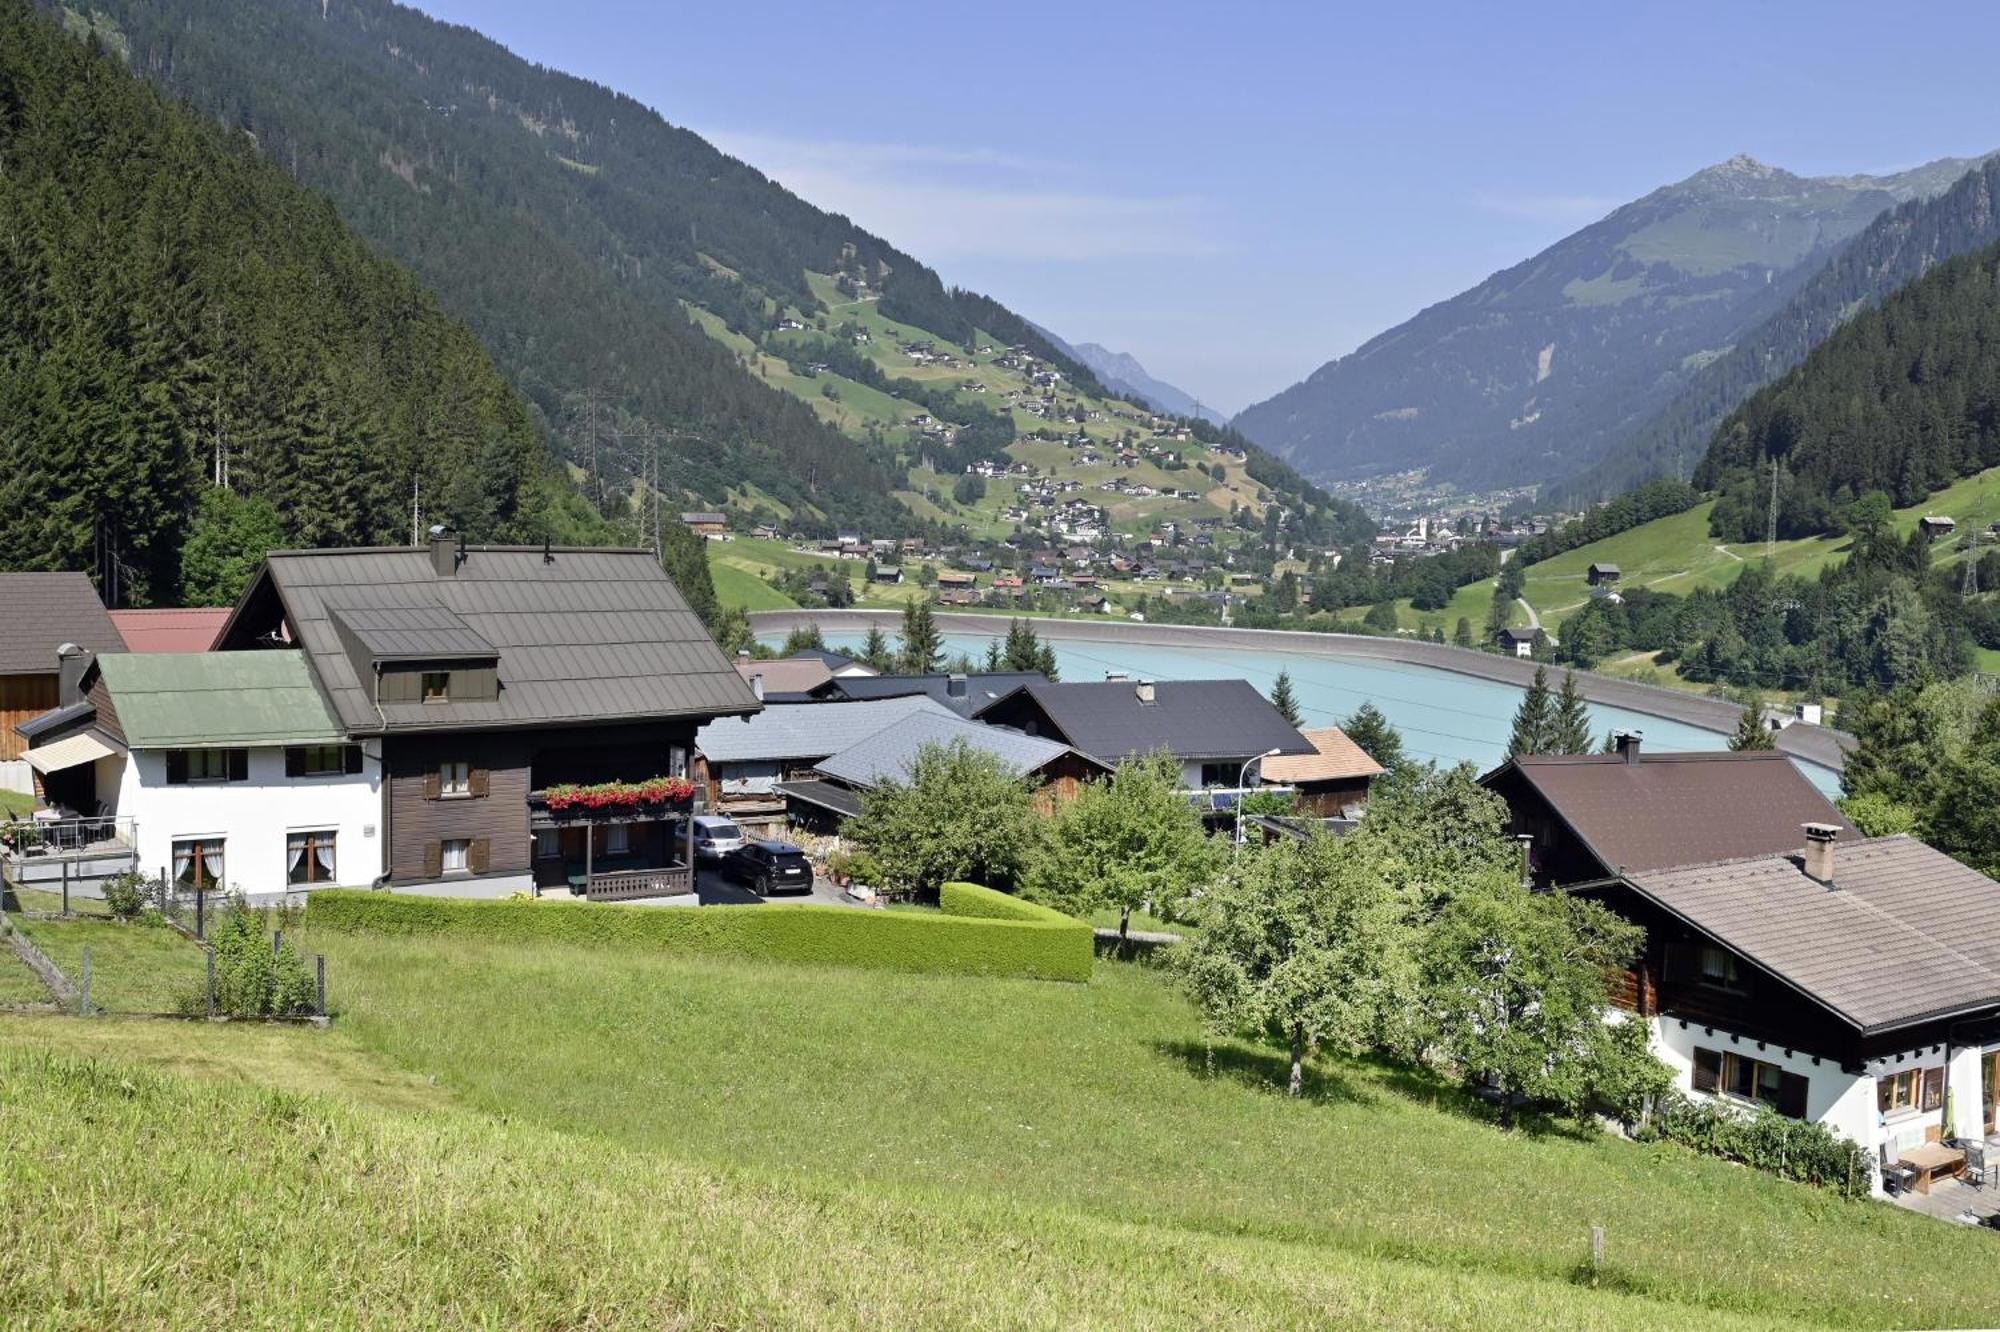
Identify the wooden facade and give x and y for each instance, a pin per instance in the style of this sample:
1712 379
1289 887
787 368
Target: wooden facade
22 697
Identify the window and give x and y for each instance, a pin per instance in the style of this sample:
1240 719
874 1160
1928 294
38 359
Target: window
455 779
1716 966
456 858
1220 774
207 765
322 760
548 844
309 857
617 840
198 863
1910 1089
1751 1079
1726 1073
437 686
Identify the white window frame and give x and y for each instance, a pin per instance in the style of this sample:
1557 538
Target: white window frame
455 778
457 849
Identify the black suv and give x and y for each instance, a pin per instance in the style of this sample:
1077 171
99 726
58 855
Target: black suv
770 867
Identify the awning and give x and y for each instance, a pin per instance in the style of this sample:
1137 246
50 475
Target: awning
71 751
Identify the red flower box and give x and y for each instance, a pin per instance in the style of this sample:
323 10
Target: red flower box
618 795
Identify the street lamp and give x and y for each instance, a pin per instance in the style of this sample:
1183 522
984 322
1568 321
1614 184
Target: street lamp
1242 779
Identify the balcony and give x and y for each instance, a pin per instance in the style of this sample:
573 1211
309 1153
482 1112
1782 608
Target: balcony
54 853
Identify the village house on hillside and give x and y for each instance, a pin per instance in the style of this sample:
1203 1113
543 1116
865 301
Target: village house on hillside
42 613
741 760
1332 781
491 680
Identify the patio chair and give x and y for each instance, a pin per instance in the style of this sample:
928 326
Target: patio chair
1976 1167
1897 1178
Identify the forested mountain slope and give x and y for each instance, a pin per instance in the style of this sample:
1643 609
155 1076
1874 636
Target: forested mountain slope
1895 247
1905 398
568 224
178 309
1550 366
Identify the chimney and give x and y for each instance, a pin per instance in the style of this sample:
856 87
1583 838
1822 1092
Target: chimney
757 685
71 662
1819 852
956 686
1527 845
1627 744
444 552
1116 676
1144 690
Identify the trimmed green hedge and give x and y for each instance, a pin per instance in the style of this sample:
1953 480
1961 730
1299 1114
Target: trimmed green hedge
978 932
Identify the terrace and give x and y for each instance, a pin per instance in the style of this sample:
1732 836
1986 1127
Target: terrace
614 841
57 854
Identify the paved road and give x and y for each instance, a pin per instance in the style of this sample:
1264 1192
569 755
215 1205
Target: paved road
1814 744
1534 620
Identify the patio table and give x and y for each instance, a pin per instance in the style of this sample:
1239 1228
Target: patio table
1930 1160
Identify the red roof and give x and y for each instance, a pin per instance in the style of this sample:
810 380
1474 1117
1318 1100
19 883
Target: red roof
187 629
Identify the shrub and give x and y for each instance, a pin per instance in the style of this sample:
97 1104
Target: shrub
977 932
1766 1140
252 979
125 894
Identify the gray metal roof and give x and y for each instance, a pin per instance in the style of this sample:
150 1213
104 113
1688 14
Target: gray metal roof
890 751
583 635
831 796
981 687
1191 719
39 612
805 730
410 633
1906 933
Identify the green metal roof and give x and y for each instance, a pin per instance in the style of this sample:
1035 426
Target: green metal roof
212 700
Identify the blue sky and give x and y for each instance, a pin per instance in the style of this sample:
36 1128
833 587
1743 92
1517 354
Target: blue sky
1238 192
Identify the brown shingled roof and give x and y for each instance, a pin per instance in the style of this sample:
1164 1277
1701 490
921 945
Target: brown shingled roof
1678 809
1334 757
1906 933
184 629
39 612
787 675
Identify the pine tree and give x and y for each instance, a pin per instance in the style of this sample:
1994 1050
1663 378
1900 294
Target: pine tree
1569 725
1534 719
1284 700
922 647
875 653
1368 728
1462 635
1751 733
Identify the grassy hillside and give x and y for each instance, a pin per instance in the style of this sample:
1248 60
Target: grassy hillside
826 1147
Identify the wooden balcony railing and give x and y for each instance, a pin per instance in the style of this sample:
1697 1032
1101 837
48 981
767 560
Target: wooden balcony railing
624 884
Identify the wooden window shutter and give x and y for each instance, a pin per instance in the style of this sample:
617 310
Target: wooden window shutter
479 855
350 759
433 784
433 858
295 760
177 767
1933 1088
1707 1069
239 765
479 781
1792 1095
1680 955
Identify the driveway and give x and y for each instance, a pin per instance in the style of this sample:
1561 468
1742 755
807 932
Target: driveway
712 889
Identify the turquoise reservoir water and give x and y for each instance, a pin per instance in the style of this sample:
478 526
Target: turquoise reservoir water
1442 715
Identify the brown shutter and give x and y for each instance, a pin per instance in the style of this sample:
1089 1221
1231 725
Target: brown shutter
177 767
433 784
479 781
350 759
433 859
1707 1069
1933 1088
479 855
1792 1095
1680 955
239 765
295 760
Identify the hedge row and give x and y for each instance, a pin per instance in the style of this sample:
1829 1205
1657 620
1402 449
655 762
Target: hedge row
979 932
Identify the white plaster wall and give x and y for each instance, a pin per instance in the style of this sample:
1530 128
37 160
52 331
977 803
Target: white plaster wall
254 817
1964 1095
1842 1101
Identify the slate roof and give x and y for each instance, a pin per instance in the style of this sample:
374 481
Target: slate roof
1334 758
214 700
182 629
1906 934
890 751
583 635
39 612
1193 719
804 730
1677 809
981 687
841 800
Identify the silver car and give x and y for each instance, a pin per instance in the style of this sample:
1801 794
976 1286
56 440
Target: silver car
715 837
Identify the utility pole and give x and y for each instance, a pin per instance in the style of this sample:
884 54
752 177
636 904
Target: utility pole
1971 584
416 511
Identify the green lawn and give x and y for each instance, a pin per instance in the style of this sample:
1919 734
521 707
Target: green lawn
736 586
40 899
134 967
16 805
19 985
1088 1106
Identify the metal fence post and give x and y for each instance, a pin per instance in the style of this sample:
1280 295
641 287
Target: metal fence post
211 982
200 913
83 989
319 978
65 886
277 941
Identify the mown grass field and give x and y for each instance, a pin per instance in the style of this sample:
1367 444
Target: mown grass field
551 1136
134 967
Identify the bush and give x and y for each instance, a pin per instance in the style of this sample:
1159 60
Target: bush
1766 1140
125 894
252 980
977 932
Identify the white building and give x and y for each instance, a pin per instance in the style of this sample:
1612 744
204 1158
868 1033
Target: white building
222 770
